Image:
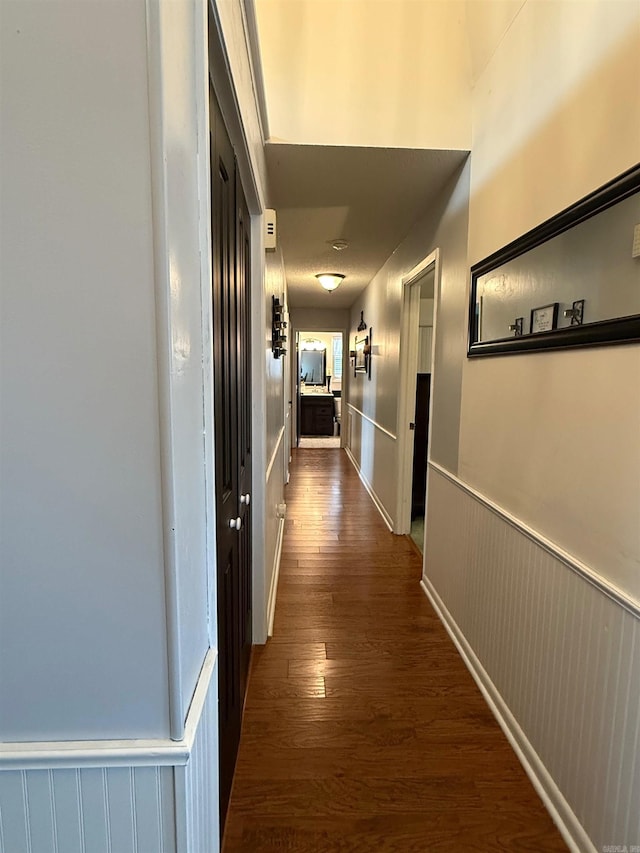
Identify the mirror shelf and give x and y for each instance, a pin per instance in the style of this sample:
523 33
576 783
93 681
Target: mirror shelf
573 281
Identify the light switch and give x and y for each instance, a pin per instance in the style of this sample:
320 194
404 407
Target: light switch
635 252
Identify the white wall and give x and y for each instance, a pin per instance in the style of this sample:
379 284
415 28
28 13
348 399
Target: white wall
107 601
82 626
367 73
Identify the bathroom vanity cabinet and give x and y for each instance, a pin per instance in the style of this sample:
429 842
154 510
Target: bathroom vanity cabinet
316 414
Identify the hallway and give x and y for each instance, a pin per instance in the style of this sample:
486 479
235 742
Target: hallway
363 730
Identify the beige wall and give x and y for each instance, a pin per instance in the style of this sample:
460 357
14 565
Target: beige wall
367 72
374 445
553 437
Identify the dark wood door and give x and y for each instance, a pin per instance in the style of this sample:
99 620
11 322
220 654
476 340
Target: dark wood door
232 410
420 440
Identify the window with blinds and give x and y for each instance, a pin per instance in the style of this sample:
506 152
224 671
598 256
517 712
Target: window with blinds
336 347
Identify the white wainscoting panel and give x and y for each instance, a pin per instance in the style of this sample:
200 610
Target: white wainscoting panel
561 650
92 810
373 450
152 807
197 819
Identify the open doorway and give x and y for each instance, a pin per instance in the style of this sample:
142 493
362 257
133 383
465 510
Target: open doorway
319 388
414 416
422 409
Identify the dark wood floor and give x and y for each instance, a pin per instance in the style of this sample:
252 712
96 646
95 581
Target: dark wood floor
363 730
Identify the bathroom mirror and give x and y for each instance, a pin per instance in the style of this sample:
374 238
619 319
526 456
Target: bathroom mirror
572 281
313 366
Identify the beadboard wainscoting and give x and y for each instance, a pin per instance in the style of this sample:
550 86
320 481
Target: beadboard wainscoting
556 652
372 449
164 800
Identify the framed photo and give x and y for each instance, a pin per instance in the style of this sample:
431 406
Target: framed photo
544 318
361 364
577 312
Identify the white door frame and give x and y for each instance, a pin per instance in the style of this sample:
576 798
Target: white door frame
409 336
295 390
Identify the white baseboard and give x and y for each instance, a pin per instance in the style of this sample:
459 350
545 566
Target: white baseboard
376 500
273 591
570 827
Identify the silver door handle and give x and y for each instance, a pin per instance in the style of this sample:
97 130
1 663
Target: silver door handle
245 499
235 523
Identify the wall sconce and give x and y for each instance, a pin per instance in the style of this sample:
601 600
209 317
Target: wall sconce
278 324
330 280
362 325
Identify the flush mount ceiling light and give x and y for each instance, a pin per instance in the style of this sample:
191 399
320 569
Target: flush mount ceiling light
330 280
339 245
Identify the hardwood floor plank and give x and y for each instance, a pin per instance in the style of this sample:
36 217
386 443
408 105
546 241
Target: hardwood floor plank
363 730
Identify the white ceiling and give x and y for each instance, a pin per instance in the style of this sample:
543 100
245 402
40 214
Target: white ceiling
370 197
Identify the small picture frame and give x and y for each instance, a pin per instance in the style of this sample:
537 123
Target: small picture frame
577 312
544 318
362 355
517 327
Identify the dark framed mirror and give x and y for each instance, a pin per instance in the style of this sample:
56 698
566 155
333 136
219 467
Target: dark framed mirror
572 281
313 366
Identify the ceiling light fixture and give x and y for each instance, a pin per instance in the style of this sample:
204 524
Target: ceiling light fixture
339 245
330 280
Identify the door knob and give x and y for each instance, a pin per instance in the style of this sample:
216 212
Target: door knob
245 499
235 523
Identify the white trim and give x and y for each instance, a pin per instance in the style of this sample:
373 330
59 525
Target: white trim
250 26
160 752
371 421
162 289
206 267
563 816
224 87
376 500
275 575
602 584
409 323
274 455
